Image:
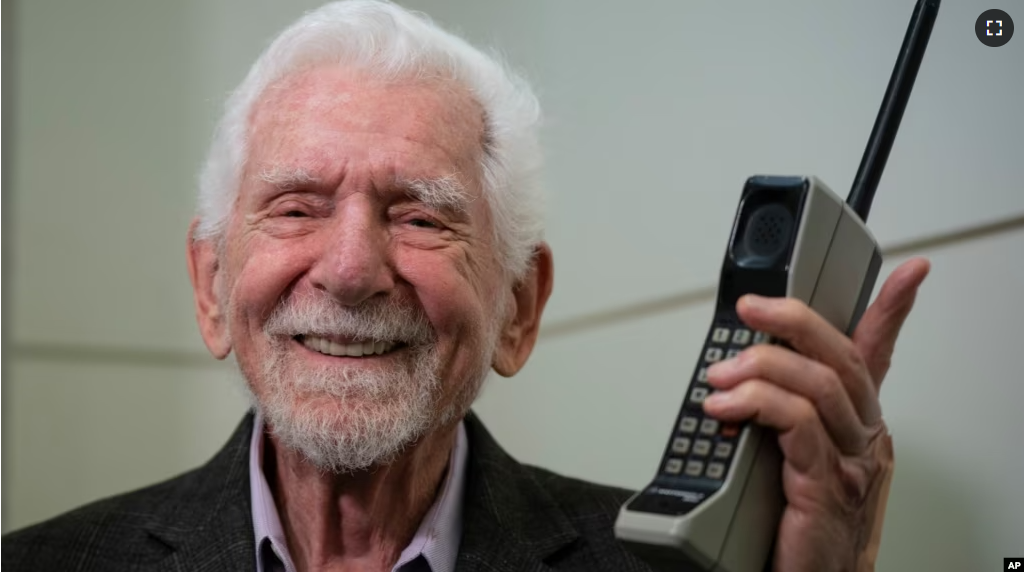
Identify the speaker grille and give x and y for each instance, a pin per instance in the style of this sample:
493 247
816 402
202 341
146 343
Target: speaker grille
768 231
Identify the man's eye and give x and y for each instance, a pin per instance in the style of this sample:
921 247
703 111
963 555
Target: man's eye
294 214
422 223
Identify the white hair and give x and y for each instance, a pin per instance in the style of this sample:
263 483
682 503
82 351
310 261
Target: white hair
391 43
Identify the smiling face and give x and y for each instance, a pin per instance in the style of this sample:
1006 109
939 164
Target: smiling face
358 286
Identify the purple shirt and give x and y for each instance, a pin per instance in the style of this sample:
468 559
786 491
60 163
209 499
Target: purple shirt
434 546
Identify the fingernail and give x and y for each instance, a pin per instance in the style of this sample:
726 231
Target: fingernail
718 399
755 301
721 368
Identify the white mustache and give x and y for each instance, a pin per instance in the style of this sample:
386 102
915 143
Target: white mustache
381 320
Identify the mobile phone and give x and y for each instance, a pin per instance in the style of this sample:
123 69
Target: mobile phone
716 500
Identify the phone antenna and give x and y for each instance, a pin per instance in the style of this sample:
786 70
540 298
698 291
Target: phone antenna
892 110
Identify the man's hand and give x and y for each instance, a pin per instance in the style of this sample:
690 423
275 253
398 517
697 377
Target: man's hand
823 400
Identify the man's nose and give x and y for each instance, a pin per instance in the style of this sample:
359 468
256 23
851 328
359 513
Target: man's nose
354 264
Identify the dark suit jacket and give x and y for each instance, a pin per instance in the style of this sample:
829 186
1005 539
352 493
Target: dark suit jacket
516 518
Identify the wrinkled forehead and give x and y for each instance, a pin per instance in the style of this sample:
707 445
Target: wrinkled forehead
432 114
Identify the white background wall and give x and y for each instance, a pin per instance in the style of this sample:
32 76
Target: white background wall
657 113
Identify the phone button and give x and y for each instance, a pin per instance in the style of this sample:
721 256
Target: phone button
698 395
761 338
709 426
702 447
694 468
723 450
673 466
715 470
681 445
689 424
720 335
713 355
741 337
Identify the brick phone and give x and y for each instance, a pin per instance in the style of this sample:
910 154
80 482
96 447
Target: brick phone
716 500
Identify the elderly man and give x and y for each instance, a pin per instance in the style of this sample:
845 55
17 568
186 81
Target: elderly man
368 247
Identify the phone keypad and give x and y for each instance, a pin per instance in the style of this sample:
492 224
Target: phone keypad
703 447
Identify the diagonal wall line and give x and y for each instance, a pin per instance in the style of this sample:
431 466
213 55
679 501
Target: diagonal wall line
678 301
76 353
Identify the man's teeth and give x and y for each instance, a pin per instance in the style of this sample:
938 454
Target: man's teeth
330 348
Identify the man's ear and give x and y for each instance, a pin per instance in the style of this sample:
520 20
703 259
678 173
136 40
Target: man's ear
204 271
521 328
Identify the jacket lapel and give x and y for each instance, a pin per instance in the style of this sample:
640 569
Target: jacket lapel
510 522
207 519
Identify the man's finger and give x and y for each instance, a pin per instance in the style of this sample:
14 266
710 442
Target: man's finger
810 335
876 334
802 438
808 378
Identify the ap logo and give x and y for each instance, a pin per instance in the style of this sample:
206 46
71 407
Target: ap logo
1014 564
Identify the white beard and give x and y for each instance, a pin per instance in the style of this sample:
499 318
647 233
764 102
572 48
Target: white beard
348 419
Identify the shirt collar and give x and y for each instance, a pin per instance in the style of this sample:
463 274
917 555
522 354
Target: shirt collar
436 540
